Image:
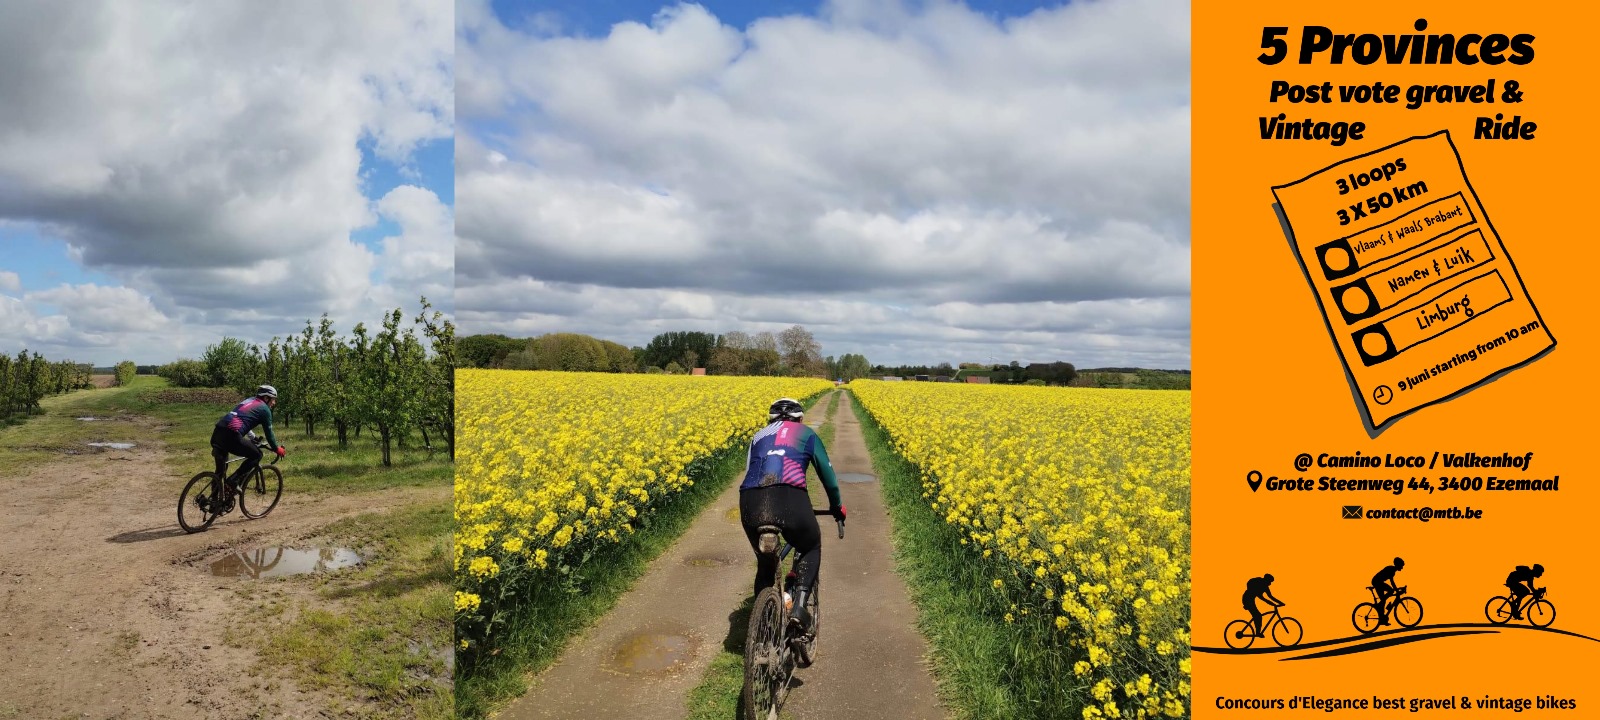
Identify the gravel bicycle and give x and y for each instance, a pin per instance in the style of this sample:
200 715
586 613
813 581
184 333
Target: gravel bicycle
1285 631
771 653
1404 610
1538 611
204 499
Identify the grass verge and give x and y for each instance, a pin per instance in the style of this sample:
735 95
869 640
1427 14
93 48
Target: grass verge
985 667
717 695
379 638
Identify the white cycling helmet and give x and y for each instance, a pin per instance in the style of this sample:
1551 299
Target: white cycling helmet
267 391
787 408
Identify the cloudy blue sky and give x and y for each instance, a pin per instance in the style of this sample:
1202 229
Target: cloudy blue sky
171 173
917 181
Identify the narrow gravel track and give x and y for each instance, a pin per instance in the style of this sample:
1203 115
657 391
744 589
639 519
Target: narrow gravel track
641 660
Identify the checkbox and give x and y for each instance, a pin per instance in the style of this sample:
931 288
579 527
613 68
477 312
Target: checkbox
1352 512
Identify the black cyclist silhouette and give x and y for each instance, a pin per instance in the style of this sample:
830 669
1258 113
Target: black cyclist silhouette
1259 589
1285 631
1520 582
1383 584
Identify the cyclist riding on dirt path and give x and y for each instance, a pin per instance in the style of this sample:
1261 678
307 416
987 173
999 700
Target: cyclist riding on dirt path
1520 582
1259 588
774 493
1383 584
230 435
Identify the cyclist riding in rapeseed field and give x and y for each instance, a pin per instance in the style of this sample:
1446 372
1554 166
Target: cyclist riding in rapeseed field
229 437
774 493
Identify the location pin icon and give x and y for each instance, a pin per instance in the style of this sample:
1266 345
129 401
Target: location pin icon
1254 478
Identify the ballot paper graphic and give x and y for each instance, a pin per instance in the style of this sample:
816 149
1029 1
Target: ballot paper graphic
1415 286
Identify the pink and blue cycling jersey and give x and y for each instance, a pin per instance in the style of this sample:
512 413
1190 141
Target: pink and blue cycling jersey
248 414
781 451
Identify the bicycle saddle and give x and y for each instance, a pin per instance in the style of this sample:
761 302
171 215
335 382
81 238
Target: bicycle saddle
767 541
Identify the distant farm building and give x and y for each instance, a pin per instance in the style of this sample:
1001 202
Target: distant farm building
978 379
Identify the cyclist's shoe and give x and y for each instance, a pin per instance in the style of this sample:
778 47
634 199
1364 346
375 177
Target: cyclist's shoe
801 617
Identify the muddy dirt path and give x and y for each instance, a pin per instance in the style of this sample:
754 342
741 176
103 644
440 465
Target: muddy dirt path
108 610
642 659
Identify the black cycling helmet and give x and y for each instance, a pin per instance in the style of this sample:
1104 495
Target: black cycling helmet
1538 569
785 408
1399 563
267 391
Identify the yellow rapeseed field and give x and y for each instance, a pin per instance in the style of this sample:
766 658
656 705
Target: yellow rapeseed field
550 465
1081 497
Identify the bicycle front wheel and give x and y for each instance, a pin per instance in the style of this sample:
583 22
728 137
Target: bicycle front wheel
1239 634
1408 612
194 503
1541 613
259 495
1365 618
1498 610
1287 632
762 657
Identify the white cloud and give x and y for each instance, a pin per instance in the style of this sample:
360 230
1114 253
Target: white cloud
10 282
422 257
207 156
887 157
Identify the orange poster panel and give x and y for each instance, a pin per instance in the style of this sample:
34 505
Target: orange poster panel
1392 282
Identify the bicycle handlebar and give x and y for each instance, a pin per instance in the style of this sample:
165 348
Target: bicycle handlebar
262 445
830 512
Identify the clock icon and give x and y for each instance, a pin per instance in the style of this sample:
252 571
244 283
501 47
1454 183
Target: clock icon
1383 395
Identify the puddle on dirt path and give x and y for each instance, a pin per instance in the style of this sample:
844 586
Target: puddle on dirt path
732 514
653 653
90 419
856 477
112 445
271 562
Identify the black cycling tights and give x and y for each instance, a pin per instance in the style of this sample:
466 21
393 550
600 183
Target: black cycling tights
789 508
225 441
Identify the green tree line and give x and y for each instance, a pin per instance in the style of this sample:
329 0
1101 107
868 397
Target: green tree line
29 378
393 380
793 351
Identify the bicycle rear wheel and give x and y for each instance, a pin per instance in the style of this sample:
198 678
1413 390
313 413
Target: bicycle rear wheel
1540 613
1287 632
1498 610
763 653
259 495
1239 634
1407 612
194 503
1365 618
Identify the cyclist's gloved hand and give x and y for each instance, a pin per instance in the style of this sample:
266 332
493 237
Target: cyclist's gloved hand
282 451
837 512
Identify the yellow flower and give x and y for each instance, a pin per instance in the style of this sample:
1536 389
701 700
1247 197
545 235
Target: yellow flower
466 601
484 567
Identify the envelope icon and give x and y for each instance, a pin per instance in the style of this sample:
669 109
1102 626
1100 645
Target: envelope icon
1352 512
